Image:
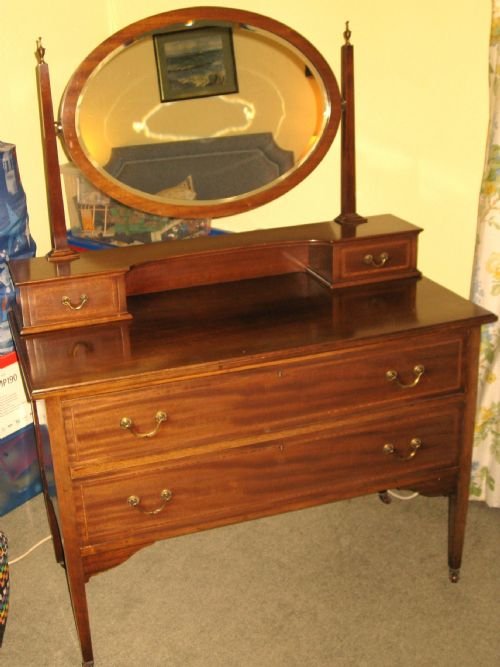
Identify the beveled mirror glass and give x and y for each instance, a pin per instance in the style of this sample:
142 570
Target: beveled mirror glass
202 112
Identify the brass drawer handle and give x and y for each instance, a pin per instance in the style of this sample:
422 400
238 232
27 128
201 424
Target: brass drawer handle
393 376
127 423
415 445
378 262
66 301
135 501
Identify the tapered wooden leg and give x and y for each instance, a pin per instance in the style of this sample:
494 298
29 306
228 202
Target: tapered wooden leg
457 515
459 498
66 521
54 531
76 584
385 497
41 439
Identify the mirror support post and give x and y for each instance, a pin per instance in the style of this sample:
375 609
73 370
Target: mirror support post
60 248
348 213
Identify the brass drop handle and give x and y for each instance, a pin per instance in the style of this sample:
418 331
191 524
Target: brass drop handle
393 376
135 501
378 262
127 423
415 445
66 301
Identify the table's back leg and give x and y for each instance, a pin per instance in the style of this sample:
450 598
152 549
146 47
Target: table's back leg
40 434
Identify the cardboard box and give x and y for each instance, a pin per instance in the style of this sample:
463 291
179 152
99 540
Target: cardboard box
15 410
19 471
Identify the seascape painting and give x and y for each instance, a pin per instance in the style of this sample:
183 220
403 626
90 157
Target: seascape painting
195 63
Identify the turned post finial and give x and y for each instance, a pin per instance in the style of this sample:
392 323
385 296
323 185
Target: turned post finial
347 33
40 51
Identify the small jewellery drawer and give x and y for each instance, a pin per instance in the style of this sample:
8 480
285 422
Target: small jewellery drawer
71 302
305 468
254 404
377 260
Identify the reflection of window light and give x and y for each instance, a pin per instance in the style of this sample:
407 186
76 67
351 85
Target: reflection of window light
249 112
247 109
269 82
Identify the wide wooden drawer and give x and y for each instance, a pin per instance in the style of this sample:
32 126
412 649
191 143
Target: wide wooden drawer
258 402
289 472
71 302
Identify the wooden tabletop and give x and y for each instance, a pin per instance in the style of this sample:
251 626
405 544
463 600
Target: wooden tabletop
200 330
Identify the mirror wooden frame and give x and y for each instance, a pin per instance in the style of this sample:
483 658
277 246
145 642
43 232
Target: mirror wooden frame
199 15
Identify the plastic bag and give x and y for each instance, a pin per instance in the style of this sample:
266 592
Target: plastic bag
15 237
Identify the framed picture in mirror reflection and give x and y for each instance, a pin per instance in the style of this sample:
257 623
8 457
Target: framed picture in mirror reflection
195 63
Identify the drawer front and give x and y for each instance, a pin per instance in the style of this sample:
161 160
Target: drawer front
377 258
72 302
78 350
255 403
289 472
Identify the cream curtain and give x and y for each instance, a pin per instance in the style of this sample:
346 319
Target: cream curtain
485 481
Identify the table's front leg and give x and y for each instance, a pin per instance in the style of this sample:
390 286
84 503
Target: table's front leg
50 416
457 513
458 501
76 584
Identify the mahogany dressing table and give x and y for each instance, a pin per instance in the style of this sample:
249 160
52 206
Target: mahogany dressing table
186 385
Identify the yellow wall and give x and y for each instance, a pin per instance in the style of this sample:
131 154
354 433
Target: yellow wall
422 108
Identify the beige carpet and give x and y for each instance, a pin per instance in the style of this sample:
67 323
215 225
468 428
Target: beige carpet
355 583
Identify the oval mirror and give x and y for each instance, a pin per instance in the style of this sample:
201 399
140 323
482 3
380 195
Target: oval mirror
201 112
